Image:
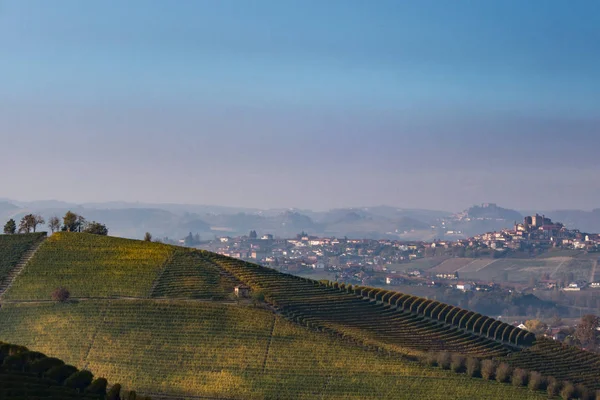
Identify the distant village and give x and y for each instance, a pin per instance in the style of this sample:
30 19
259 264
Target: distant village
388 262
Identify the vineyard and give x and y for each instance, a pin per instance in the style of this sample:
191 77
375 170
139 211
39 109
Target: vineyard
385 319
227 351
12 248
560 361
190 275
91 266
161 319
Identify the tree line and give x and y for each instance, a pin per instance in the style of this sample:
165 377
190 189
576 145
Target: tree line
71 222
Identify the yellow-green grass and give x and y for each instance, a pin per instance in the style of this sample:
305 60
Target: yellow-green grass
12 248
189 274
91 266
232 351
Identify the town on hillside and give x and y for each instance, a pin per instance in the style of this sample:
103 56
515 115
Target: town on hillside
464 263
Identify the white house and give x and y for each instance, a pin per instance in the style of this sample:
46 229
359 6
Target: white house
464 286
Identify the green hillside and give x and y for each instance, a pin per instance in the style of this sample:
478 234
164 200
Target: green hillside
12 248
218 350
162 319
91 266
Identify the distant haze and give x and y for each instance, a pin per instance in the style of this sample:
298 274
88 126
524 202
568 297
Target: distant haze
302 103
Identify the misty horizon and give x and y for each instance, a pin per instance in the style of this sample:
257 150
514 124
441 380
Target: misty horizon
425 105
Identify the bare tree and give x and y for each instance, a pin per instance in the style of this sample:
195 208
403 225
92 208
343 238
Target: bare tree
54 224
37 220
29 223
586 331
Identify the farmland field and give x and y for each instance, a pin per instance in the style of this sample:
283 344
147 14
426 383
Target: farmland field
451 265
518 270
424 263
209 349
91 266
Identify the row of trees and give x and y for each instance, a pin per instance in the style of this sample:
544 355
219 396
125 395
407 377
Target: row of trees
71 222
502 372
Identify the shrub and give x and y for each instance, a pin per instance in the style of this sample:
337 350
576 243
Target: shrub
444 359
536 381
60 294
503 373
59 373
42 365
79 380
519 377
473 366
114 393
488 369
568 391
97 387
457 363
552 386
430 359
583 393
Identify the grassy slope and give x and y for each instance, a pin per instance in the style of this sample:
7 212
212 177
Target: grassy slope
91 266
12 248
212 349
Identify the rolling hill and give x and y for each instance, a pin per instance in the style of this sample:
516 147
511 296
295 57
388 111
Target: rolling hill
163 320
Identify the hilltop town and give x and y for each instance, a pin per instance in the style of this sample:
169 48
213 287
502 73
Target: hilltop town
391 262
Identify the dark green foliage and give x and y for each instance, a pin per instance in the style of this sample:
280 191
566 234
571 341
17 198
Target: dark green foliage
114 393
98 387
79 380
96 228
473 367
44 364
19 361
10 227
59 373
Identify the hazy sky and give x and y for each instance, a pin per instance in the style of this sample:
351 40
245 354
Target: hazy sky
313 104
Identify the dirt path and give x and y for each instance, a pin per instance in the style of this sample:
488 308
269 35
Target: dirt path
593 273
560 265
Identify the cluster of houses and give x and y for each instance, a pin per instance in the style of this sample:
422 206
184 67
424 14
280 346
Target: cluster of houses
363 260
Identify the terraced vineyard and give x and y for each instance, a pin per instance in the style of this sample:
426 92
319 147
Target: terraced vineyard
560 361
12 248
152 317
227 351
380 318
91 266
189 275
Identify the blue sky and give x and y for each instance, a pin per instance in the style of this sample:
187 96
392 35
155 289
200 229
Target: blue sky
316 104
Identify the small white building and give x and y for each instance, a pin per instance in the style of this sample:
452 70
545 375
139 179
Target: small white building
319 265
465 287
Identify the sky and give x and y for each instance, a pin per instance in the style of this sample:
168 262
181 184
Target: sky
302 103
